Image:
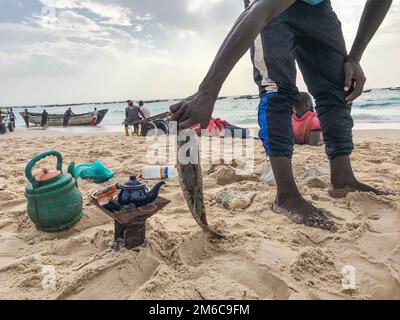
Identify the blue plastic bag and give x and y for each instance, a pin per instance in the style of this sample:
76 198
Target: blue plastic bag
97 171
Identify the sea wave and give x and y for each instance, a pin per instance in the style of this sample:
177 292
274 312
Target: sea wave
373 104
368 118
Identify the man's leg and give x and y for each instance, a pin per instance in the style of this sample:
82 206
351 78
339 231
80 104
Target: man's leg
276 132
136 130
289 201
344 181
126 129
321 54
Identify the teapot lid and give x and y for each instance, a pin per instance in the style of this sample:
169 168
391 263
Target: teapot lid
133 184
47 175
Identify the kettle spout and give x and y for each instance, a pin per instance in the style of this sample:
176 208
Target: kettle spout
153 194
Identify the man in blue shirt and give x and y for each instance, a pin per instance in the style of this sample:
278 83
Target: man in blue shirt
279 33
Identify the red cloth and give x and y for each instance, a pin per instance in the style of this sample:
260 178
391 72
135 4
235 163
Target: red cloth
302 127
216 128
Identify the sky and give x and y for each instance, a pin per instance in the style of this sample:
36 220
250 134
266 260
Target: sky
67 51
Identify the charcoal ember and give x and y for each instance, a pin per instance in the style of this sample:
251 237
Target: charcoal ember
128 207
113 206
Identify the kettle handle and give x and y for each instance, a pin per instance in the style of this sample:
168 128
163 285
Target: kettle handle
32 163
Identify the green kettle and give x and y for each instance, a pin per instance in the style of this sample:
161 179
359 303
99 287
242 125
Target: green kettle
54 201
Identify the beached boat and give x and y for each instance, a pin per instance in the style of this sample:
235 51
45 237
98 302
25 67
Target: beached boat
57 120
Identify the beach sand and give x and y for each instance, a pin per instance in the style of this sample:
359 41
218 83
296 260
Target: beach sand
265 255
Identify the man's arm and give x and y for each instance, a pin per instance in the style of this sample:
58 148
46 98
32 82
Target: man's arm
142 114
374 13
199 107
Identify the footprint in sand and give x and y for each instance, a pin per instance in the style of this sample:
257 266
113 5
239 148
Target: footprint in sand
222 274
382 218
229 276
382 234
11 249
118 281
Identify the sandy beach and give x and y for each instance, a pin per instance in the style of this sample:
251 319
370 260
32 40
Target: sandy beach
265 255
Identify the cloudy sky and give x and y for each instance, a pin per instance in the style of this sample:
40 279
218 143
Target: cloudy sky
61 51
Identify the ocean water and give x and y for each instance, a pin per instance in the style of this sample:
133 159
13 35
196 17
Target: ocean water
377 109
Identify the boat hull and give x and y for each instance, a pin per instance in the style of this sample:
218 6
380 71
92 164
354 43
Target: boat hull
57 120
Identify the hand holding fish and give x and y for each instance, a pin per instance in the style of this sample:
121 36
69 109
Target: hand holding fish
193 110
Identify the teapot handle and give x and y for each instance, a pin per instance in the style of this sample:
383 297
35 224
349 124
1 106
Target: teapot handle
32 163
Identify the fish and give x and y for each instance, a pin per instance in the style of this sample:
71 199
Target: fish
191 181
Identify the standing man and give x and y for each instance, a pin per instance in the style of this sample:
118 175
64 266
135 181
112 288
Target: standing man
310 32
94 116
45 119
3 128
144 109
67 116
25 116
12 117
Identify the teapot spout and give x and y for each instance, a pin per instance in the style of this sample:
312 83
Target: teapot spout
153 194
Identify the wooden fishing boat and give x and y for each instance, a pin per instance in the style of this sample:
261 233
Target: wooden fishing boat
57 120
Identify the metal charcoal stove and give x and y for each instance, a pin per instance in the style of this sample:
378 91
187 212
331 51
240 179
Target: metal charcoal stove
129 225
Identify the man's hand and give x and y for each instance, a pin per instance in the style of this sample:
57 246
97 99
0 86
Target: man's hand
354 81
374 13
195 109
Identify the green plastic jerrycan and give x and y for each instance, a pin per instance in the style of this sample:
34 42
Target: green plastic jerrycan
54 201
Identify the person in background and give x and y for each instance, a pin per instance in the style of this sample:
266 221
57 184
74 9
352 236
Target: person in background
133 114
144 109
94 117
306 126
45 119
11 116
3 128
67 116
25 116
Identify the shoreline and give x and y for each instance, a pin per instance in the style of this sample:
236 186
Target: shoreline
360 134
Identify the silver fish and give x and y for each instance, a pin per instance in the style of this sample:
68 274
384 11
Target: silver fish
191 181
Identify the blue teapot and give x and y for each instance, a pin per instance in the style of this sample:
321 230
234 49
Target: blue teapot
135 192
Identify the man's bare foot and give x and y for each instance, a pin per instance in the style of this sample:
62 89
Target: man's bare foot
302 212
344 181
343 191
